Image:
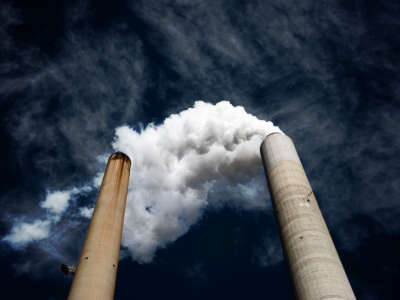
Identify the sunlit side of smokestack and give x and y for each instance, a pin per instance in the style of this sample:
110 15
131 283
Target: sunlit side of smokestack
316 270
97 269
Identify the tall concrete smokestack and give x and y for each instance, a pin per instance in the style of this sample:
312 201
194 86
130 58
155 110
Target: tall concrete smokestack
315 267
97 269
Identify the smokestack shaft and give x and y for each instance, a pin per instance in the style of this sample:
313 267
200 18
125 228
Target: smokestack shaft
97 269
315 267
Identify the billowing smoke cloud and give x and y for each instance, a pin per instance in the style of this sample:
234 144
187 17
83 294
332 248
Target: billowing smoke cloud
205 156
179 163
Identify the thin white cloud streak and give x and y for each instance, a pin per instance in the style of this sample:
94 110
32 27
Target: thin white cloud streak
86 212
178 164
24 233
56 203
98 178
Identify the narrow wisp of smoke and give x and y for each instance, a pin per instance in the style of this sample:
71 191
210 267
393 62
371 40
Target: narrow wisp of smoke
55 204
177 164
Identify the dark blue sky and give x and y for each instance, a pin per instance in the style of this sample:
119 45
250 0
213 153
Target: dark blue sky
326 72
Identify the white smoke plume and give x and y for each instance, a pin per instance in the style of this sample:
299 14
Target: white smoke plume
205 156
177 164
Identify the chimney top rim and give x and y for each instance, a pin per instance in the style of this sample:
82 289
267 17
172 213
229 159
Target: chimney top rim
119 155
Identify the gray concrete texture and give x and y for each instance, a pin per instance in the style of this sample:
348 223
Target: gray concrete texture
97 269
315 267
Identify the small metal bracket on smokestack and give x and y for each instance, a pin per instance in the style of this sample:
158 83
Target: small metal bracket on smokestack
68 270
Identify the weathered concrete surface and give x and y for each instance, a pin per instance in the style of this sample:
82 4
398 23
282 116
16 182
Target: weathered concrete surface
97 269
314 264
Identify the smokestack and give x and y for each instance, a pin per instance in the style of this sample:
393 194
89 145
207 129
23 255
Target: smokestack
315 267
97 269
